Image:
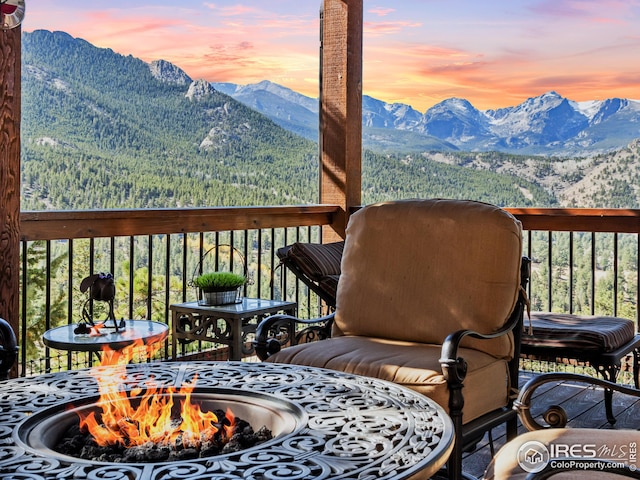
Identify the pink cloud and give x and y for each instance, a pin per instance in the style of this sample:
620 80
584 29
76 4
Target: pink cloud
239 55
237 10
388 28
231 11
420 51
382 12
289 25
456 68
121 27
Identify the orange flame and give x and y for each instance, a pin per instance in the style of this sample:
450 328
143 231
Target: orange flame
138 416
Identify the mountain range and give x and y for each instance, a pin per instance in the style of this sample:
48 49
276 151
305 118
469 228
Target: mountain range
545 125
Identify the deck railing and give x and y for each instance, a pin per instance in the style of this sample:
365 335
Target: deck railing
154 255
584 261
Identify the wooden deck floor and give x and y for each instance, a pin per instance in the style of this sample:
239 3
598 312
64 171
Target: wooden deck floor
584 407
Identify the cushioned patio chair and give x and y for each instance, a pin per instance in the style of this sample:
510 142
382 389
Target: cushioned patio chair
599 341
430 296
534 455
316 265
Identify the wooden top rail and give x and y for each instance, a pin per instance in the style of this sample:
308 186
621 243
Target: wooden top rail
56 225
579 219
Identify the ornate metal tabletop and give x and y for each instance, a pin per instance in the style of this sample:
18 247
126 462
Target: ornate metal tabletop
353 428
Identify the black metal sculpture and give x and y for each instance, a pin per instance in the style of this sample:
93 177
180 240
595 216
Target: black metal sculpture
101 287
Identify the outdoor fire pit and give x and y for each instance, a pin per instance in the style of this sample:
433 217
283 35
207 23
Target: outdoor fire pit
43 431
324 424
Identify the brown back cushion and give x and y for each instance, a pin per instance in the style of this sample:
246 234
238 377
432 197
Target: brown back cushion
417 270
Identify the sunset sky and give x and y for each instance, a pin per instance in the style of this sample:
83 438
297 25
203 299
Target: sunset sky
494 53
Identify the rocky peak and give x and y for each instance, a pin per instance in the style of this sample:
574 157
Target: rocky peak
167 72
199 89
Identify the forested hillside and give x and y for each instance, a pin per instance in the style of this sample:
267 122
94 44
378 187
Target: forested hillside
609 180
415 175
100 131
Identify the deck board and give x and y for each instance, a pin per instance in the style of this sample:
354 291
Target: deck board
584 406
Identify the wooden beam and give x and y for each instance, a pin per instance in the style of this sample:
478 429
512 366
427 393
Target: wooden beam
341 109
71 224
579 219
10 71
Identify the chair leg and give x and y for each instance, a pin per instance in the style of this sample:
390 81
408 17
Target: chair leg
512 428
610 373
608 405
492 447
454 464
456 403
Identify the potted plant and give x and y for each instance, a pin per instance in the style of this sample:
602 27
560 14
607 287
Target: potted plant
219 288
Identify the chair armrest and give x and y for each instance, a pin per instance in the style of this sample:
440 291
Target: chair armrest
454 367
555 416
278 330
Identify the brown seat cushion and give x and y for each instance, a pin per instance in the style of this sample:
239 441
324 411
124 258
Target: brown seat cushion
592 333
412 365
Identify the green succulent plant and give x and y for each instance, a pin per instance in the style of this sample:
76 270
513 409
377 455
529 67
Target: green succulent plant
219 281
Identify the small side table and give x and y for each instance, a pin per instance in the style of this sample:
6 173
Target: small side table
146 331
224 324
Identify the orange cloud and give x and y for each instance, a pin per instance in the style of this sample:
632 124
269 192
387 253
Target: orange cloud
423 76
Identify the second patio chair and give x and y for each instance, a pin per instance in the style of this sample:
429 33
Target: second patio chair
316 265
429 297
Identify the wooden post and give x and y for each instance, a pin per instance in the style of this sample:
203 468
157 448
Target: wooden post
341 109
10 71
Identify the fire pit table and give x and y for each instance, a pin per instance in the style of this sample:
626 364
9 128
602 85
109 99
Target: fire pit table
325 424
